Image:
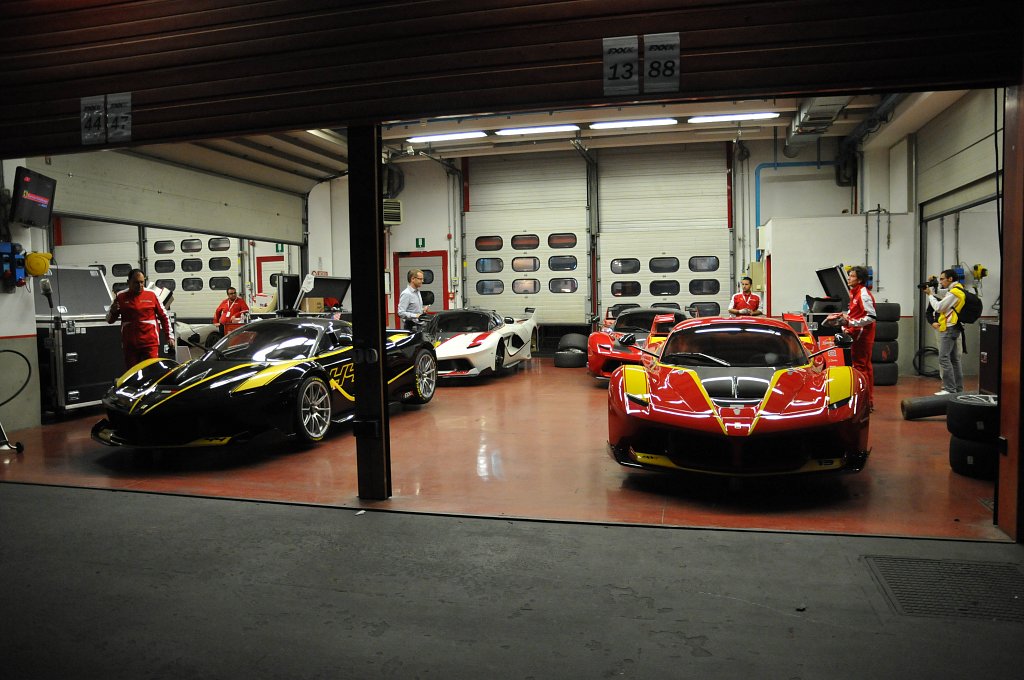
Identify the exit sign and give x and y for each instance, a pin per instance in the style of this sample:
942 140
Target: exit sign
421 243
278 247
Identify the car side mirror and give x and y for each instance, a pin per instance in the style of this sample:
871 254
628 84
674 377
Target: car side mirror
627 340
509 319
844 340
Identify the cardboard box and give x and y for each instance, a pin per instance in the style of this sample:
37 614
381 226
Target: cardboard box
314 305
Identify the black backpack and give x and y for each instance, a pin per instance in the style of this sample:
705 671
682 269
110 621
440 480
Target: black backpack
971 311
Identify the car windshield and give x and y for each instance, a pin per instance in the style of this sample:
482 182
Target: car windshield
639 321
745 345
269 342
461 322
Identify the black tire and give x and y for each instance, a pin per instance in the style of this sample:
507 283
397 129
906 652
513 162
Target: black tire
499 357
924 407
312 409
974 417
573 341
570 358
887 311
425 371
886 374
212 339
885 352
886 331
973 459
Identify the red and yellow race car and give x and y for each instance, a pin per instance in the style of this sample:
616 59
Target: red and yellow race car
740 397
649 326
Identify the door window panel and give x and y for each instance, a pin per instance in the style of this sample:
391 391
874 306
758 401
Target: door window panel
704 287
192 285
664 265
191 245
489 265
562 240
664 288
192 264
164 266
704 263
169 284
626 288
490 287
219 243
220 264
121 269
525 242
525 264
525 286
562 263
485 243
163 247
220 283
627 265
563 285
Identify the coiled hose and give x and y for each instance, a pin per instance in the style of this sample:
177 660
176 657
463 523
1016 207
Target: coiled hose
919 362
27 377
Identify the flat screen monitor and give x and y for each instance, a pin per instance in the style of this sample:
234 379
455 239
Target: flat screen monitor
32 201
331 288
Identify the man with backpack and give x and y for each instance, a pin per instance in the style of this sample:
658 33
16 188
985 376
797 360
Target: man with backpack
947 322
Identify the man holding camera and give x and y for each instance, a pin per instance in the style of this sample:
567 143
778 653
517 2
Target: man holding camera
947 310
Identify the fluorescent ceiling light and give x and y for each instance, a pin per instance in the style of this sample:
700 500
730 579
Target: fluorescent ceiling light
650 122
445 138
538 130
732 116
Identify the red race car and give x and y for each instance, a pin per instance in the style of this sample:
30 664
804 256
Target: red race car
648 325
740 397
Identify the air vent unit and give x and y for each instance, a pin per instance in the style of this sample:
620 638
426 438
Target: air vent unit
392 211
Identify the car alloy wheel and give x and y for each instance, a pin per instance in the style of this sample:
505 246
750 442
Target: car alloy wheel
314 409
425 377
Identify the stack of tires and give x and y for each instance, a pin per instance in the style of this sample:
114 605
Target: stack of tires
973 424
885 351
572 351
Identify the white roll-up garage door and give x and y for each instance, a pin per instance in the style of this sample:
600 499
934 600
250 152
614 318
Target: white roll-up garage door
526 236
664 226
122 188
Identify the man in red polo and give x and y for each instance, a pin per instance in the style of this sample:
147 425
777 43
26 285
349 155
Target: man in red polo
745 303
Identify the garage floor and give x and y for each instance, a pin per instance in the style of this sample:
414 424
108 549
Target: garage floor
531 444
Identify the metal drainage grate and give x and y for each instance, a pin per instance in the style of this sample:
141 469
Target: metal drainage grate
992 591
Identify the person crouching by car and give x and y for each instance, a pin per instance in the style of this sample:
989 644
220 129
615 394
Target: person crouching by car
142 318
859 321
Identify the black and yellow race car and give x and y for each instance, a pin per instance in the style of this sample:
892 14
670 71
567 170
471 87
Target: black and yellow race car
295 375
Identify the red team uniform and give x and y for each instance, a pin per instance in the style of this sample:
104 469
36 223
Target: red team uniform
745 301
142 318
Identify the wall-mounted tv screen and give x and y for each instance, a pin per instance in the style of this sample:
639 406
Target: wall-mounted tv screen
32 202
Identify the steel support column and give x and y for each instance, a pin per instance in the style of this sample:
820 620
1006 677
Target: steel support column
366 242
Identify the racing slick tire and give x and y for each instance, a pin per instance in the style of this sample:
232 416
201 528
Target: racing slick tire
573 341
973 459
886 374
499 358
974 417
924 407
312 409
425 384
887 311
885 352
886 331
570 358
212 339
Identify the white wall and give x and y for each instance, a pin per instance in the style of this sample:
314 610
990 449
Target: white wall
800 246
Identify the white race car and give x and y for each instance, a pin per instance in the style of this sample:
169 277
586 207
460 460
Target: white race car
473 342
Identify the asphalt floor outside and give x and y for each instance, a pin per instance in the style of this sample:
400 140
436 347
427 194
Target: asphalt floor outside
120 584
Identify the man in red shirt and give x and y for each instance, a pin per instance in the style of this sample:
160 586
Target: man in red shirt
745 303
859 321
142 318
230 309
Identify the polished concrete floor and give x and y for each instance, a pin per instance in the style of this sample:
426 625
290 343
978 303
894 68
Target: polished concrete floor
531 444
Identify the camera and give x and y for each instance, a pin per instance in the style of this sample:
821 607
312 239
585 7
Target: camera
933 283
